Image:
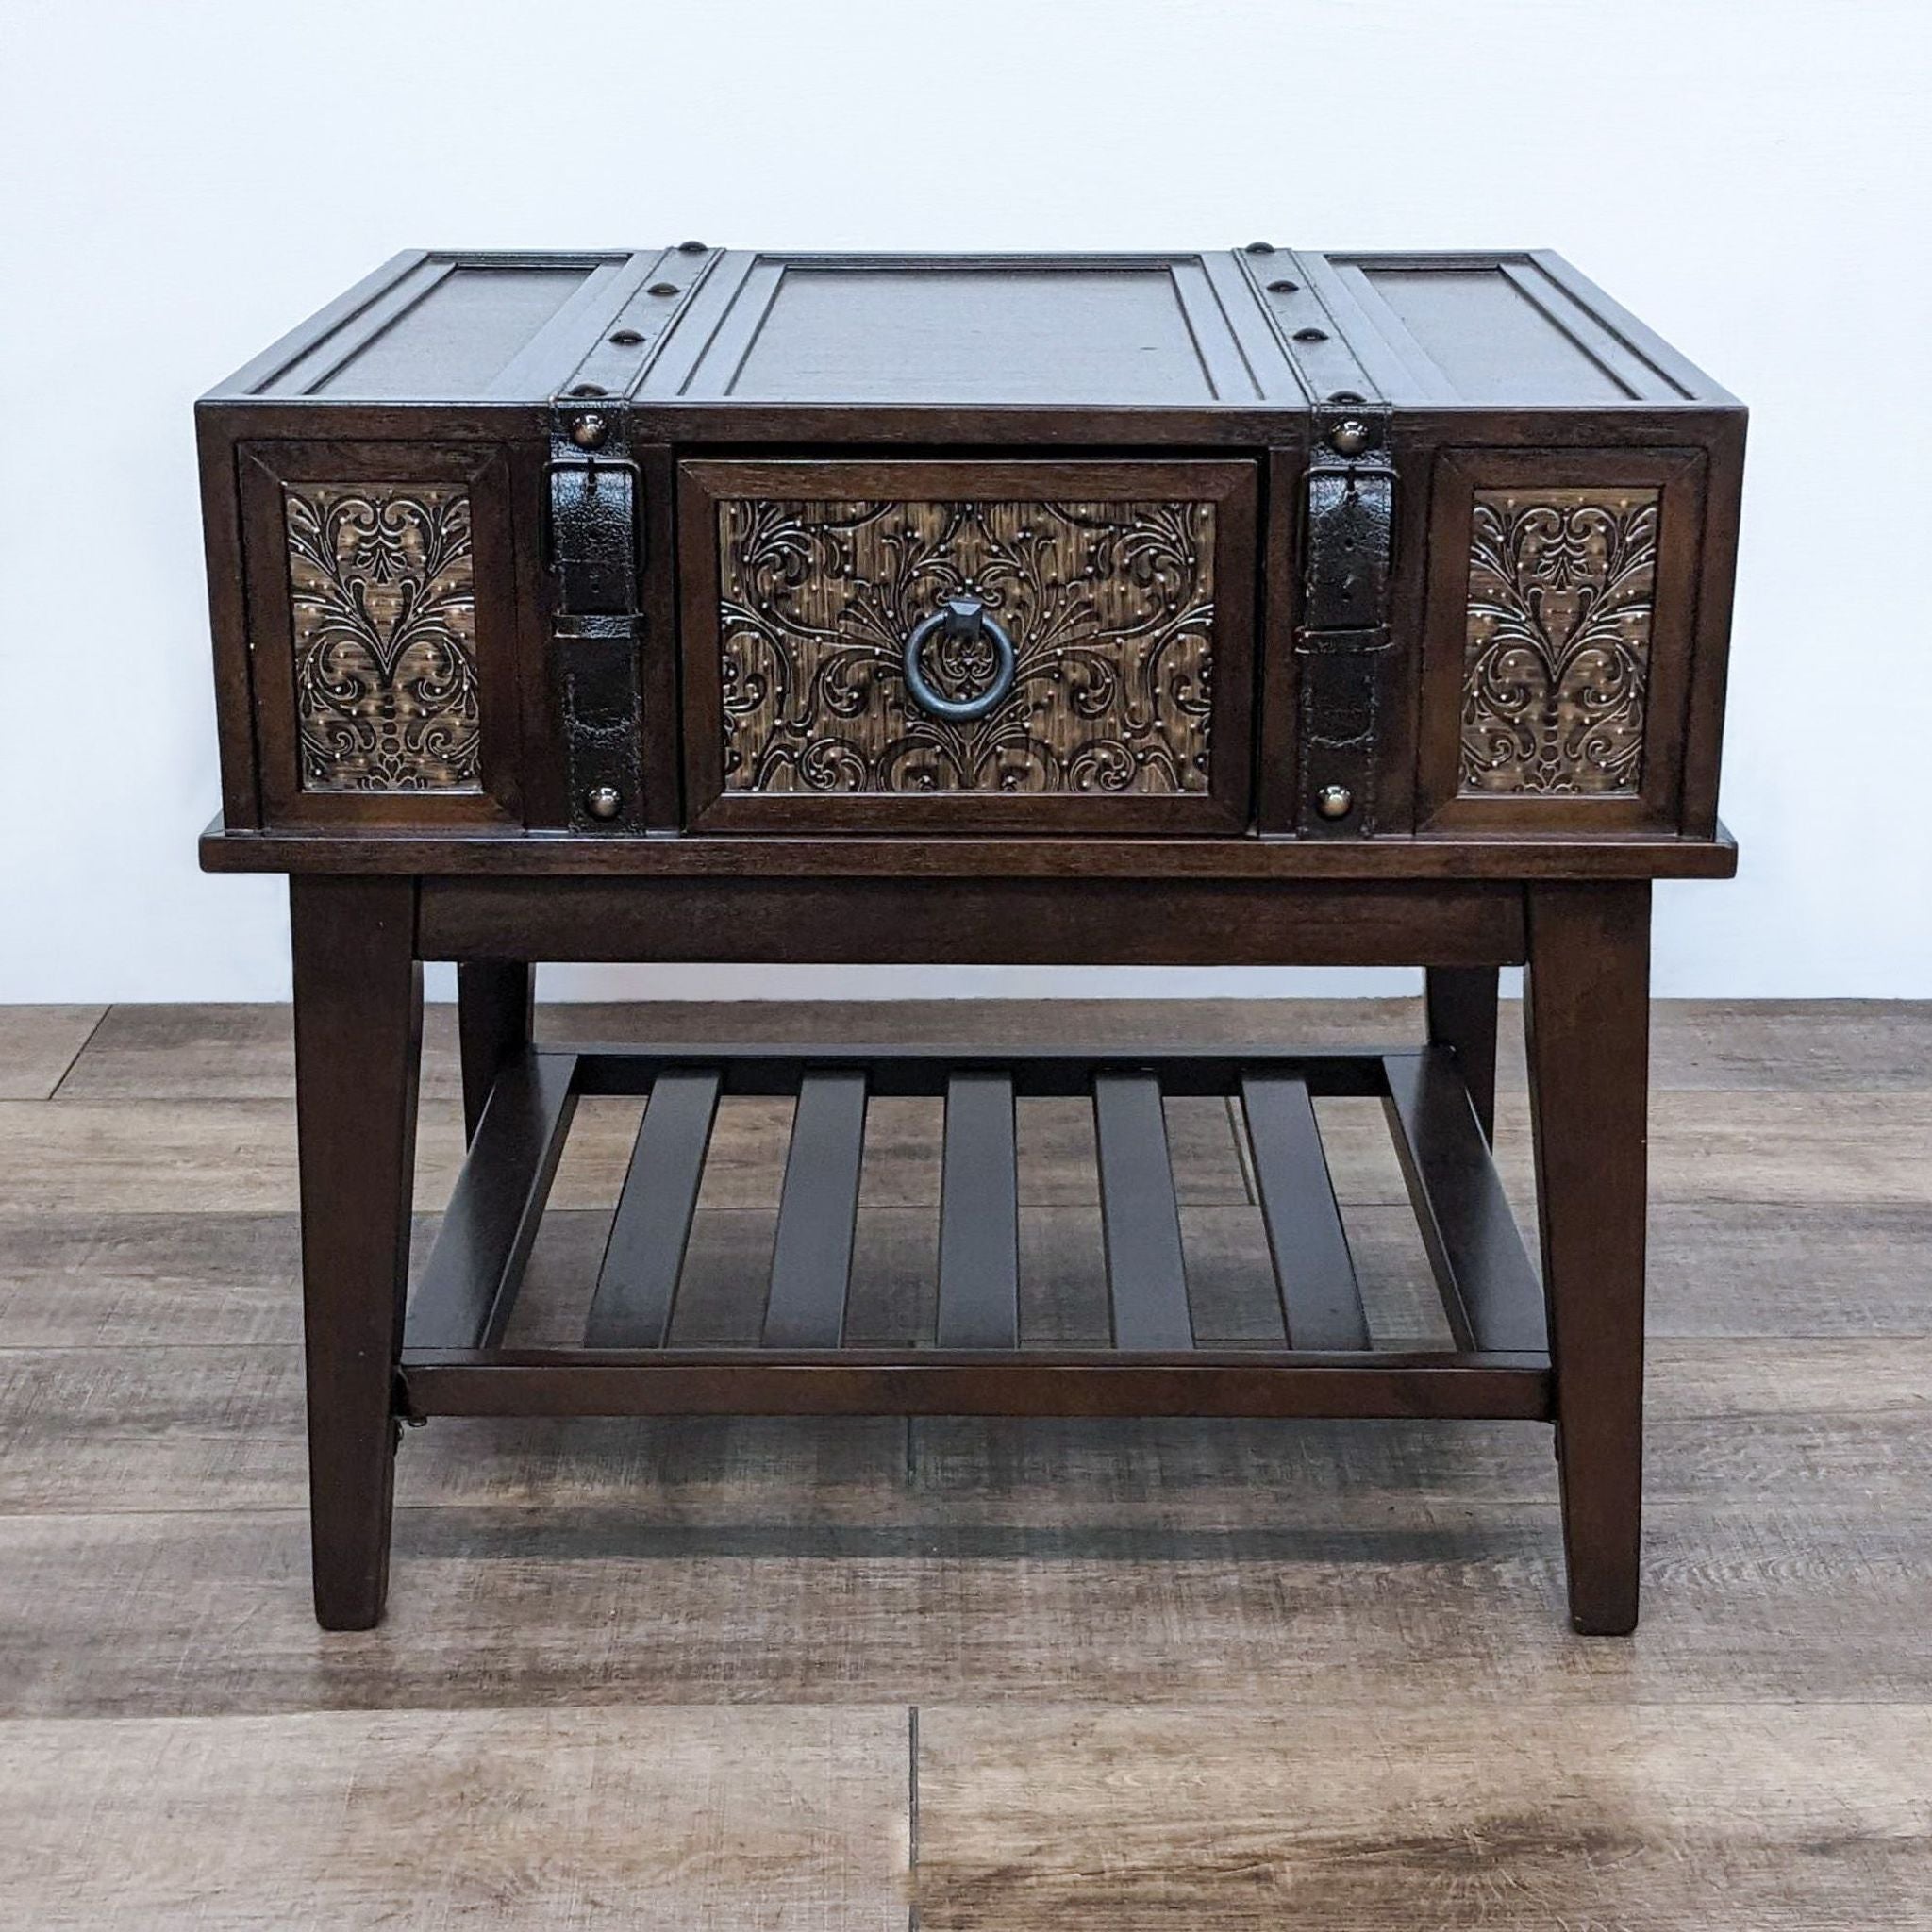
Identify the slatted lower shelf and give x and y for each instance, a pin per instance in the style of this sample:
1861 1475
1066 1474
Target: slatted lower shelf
454 1362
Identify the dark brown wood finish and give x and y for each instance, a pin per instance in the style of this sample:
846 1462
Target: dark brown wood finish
463 1298
1519 410
1321 1300
980 1215
1146 1274
637 1283
1488 1286
812 1253
1015 922
1587 1019
1389 1383
359 1027
1462 1013
1287 861
494 1006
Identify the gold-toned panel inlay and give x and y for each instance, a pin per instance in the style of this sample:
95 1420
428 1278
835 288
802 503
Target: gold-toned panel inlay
1110 608
1557 649
382 588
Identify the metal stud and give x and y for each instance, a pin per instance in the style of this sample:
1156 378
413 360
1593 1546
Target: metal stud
604 801
1349 437
590 431
1335 801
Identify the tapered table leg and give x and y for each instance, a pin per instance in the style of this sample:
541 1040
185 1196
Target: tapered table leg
1462 1016
1588 1032
359 1013
493 1025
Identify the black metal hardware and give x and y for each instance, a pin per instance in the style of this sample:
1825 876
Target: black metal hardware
963 621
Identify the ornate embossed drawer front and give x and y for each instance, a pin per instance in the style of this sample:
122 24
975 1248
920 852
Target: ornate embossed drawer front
985 644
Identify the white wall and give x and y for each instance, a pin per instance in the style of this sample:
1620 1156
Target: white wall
183 182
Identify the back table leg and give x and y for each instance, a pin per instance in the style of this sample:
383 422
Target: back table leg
1462 1017
493 1022
359 1017
1588 1036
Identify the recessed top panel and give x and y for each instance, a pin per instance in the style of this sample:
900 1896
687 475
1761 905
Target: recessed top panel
1149 330
1502 329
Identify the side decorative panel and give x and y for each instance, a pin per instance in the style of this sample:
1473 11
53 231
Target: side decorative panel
382 603
1557 656
1110 608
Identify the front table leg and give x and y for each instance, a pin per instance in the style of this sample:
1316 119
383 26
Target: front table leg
359 1023
1587 1013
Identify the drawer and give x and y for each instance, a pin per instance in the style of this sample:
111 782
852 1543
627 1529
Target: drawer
967 646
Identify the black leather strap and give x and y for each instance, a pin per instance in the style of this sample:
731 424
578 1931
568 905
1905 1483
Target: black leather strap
1343 646
593 527
597 628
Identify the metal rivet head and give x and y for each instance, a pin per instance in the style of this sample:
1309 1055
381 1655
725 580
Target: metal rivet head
1310 335
1260 248
589 389
1349 437
604 801
626 338
1335 801
661 289
1284 287
590 431
691 248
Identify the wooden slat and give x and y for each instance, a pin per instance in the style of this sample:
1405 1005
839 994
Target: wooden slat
1490 1291
979 1216
470 1279
1321 1302
1146 1278
811 1255
637 1284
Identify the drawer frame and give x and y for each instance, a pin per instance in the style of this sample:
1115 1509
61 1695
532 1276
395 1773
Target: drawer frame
1233 487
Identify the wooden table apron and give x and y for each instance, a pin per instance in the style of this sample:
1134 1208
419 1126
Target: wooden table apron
357 944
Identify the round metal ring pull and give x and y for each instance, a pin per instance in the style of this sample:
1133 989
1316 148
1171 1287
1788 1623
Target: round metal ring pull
963 619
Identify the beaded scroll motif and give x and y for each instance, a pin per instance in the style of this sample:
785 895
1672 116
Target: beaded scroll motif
1110 606
382 588
1557 649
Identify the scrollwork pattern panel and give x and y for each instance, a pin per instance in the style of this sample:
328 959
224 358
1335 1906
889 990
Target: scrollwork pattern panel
382 588
1110 606
1562 586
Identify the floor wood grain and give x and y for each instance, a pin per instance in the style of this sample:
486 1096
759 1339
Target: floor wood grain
720 1815
38 1044
989 1676
1691 1819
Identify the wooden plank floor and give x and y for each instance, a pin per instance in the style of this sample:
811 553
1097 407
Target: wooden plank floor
964 1674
